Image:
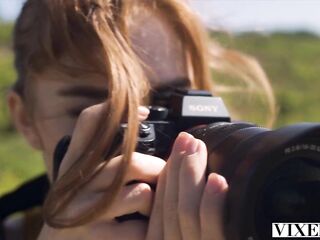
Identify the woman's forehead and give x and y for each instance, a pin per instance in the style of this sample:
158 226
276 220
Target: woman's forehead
159 47
155 43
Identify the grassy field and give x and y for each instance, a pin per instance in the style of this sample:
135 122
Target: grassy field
291 60
18 162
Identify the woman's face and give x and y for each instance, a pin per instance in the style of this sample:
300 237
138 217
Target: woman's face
58 98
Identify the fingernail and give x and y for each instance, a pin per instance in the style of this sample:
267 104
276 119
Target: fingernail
216 183
192 145
143 110
180 142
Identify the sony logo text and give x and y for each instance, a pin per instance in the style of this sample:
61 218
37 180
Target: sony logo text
203 108
295 230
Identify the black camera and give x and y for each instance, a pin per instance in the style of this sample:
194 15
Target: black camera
273 175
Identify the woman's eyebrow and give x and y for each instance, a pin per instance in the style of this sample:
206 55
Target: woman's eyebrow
98 93
173 83
84 91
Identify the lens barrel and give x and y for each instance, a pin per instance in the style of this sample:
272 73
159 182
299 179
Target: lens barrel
273 175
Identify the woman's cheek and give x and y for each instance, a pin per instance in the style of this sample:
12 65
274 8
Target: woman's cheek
50 132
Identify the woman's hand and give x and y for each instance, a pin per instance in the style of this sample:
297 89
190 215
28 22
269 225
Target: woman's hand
137 197
132 198
186 207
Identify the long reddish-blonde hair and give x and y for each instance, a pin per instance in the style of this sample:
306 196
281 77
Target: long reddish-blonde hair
94 35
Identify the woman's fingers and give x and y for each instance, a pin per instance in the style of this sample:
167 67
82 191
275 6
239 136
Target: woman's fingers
211 210
143 113
171 195
84 130
185 206
98 230
192 183
133 198
142 168
155 229
82 135
133 230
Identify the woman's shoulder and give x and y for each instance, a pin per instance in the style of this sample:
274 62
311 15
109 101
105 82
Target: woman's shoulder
20 210
13 227
24 225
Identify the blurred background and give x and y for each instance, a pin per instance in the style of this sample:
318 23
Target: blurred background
284 36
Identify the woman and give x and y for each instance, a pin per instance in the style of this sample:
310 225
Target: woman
103 59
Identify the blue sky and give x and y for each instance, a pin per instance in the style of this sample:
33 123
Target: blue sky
237 15
261 15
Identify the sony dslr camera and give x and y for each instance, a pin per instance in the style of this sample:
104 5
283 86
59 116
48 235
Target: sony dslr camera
273 175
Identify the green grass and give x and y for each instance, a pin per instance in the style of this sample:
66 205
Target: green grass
18 162
5 33
291 60
7 77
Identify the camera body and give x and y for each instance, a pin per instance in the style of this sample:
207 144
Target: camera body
176 111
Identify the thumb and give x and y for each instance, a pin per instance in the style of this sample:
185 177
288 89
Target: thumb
143 113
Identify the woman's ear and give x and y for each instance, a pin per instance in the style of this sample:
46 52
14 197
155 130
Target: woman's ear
22 119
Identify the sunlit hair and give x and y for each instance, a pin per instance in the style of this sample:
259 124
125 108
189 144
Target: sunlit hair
93 34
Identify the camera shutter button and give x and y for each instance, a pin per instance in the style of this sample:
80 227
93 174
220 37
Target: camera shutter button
157 113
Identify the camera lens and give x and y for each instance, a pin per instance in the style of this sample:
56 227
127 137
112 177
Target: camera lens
273 176
291 193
